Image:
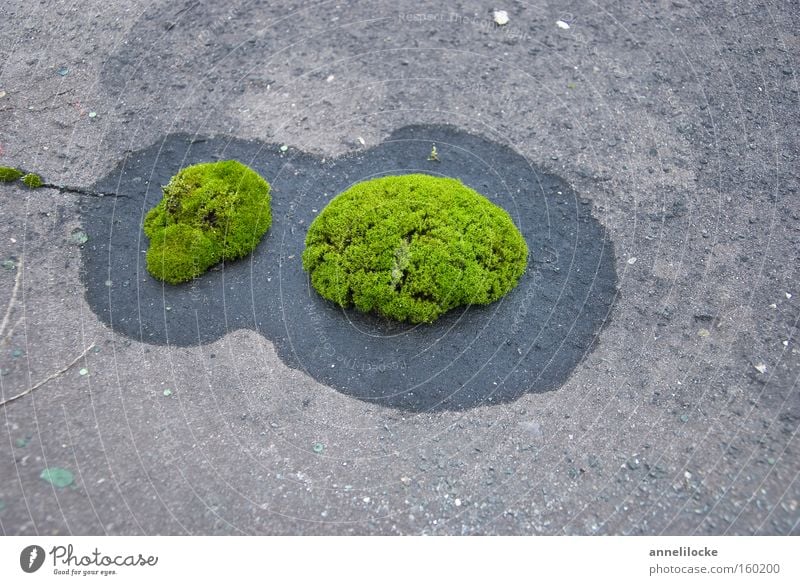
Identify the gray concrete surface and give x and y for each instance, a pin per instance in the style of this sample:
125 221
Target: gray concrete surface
677 119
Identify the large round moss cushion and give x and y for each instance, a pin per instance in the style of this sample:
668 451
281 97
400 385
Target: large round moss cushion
210 212
412 247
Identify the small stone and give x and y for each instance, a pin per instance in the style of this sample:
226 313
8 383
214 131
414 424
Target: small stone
562 25
771 460
500 17
284 148
318 447
83 371
62 71
761 368
23 442
108 283
632 260
366 500
17 353
457 502
362 141
684 418
330 78
9 264
167 392
2 94
92 114
788 295
703 333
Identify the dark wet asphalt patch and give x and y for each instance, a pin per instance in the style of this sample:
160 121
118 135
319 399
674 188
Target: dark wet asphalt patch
529 341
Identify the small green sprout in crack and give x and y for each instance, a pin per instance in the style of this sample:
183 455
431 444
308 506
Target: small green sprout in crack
210 212
9 174
434 155
32 181
412 247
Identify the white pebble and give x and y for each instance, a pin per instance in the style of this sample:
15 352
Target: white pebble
562 24
632 260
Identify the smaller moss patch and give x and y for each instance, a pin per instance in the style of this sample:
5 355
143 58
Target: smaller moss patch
9 174
32 180
210 212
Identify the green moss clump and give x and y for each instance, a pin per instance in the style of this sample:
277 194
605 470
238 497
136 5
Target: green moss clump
210 212
8 174
412 247
32 180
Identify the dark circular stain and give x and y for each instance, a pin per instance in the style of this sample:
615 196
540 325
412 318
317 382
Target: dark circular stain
31 558
529 341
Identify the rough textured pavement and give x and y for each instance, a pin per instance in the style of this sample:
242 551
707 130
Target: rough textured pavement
678 120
